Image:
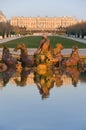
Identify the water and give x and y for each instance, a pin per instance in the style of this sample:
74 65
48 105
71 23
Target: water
53 105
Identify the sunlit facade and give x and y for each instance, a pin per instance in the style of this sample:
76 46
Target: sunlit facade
2 17
43 23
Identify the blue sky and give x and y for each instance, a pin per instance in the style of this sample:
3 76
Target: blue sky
44 8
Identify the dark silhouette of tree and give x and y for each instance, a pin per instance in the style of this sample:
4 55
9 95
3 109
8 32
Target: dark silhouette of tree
77 30
5 29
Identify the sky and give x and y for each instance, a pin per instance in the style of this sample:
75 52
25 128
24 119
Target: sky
42 8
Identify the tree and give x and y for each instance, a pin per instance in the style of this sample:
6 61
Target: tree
5 28
77 29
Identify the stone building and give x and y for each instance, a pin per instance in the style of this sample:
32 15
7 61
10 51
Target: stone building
2 17
43 23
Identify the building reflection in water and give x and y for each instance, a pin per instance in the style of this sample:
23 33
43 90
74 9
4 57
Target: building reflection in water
44 81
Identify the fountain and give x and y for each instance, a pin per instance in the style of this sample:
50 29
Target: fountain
45 57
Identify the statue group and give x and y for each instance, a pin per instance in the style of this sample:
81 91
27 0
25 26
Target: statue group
48 65
44 57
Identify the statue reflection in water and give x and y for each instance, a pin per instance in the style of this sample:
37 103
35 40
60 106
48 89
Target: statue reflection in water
74 73
46 80
23 77
7 74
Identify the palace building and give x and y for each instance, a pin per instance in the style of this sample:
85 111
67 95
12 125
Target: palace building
2 17
43 23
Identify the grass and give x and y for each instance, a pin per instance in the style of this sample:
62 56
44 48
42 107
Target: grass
33 42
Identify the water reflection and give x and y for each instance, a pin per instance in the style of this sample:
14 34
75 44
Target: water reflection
44 80
23 77
6 75
73 73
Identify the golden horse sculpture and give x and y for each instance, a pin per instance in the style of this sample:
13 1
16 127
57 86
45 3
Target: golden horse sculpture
25 59
7 57
74 58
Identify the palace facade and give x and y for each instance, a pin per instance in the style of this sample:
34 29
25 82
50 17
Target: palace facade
2 17
43 23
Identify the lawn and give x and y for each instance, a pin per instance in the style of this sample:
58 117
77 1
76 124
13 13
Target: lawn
33 42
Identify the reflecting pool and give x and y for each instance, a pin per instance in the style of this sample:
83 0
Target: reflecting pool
31 100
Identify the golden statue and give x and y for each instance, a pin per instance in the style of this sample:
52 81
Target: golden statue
74 57
44 53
